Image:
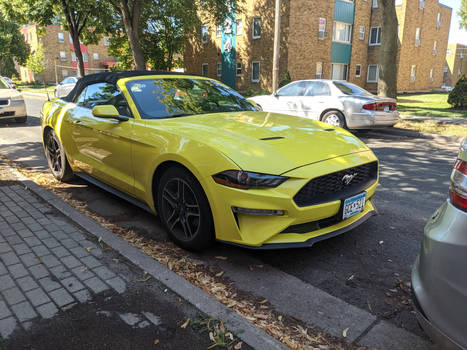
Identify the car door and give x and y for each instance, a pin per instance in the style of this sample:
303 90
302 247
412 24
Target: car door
317 97
103 145
288 99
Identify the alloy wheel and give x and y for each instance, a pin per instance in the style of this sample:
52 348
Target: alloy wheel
333 119
54 154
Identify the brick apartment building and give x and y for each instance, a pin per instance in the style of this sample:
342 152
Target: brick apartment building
59 56
337 39
456 63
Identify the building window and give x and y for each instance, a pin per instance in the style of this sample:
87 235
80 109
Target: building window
64 73
239 27
204 34
413 72
459 72
438 20
256 28
375 36
422 4
448 52
361 33
322 28
238 69
375 4
373 72
319 70
85 57
339 71
70 39
219 31
435 47
358 70
417 37
431 75
398 2
106 41
95 55
342 32
445 69
61 38
219 69
204 69
62 56
255 71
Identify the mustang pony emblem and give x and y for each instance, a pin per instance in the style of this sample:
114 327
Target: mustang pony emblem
347 179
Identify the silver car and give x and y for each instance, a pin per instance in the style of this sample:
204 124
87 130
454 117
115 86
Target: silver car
11 103
65 86
334 102
439 276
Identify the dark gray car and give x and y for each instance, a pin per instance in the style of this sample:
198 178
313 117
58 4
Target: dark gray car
439 277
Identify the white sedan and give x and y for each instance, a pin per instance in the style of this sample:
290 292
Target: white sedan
11 103
334 102
65 86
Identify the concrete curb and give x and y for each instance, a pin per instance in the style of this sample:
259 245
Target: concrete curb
247 332
416 134
36 94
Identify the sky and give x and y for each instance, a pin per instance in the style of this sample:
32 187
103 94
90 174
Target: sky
456 35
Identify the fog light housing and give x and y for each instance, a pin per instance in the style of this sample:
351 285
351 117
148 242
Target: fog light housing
267 212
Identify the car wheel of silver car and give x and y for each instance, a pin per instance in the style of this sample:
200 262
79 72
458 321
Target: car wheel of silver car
184 209
334 118
56 157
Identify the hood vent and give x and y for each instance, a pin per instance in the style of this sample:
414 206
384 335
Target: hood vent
272 138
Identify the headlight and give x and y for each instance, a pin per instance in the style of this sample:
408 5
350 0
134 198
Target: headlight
245 179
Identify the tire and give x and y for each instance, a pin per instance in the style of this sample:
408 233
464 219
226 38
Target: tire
187 218
21 119
334 118
56 157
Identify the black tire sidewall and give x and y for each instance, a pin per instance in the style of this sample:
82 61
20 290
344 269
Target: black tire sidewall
205 236
339 114
65 171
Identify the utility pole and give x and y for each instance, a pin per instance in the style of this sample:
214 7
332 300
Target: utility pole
275 59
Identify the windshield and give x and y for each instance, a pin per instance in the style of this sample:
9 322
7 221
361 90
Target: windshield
176 97
3 84
350 89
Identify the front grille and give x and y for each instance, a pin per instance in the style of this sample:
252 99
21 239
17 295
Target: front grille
314 225
331 187
4 102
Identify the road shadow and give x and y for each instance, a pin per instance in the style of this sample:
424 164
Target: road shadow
10 123
29 153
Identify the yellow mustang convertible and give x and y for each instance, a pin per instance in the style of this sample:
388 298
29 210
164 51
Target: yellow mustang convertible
208 161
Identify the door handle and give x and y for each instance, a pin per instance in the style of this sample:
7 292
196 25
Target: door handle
76 121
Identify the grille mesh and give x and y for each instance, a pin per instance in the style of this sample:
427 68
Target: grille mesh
331 187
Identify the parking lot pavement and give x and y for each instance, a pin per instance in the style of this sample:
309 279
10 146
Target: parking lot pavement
61 290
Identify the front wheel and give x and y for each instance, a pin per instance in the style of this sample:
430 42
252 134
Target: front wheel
56 158
335 118
184 209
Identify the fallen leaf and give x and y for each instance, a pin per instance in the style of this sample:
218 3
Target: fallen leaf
393 290
100 239
261 316
156 341
185 324
344 332
238 346
219 274
211 336
263 301
83 270
221 257
116 261
381 242
89 249
351 278
145 279
232 303
280 318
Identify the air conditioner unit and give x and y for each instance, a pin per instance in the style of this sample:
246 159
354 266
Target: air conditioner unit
417 42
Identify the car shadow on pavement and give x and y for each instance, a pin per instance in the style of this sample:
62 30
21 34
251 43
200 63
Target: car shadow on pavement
10 123
30 153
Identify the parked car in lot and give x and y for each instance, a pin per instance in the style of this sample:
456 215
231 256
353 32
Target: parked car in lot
439 277
210 163
334 102
65 86
10 82
11 103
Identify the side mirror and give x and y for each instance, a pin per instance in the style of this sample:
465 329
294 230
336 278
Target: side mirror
275 94
107 111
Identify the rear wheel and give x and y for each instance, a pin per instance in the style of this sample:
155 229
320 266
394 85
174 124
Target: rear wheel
335 118
56 158
184 209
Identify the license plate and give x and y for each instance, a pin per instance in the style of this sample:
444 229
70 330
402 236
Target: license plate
353 205
386 108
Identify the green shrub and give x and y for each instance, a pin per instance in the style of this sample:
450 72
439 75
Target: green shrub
458 96
287 79
251 92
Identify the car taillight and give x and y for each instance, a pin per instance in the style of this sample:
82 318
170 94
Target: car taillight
380 106
458 188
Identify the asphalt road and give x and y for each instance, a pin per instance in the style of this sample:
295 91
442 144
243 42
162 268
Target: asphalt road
368 267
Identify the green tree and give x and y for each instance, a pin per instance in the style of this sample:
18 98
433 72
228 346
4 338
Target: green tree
12 47
463 15
35 61
84 19
387 81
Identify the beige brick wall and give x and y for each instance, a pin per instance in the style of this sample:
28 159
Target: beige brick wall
456 62
360 52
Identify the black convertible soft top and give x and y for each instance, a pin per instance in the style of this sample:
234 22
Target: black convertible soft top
111 77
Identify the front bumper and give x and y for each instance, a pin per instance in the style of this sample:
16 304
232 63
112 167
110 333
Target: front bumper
438 278
15 109
272 232
372 119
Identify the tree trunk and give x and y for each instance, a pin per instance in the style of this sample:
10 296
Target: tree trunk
387 82
78 53
131 23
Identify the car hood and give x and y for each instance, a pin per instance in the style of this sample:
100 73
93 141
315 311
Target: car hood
266 142
8 93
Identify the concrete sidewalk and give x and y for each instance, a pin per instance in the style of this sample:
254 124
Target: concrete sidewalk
61 289
444 120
